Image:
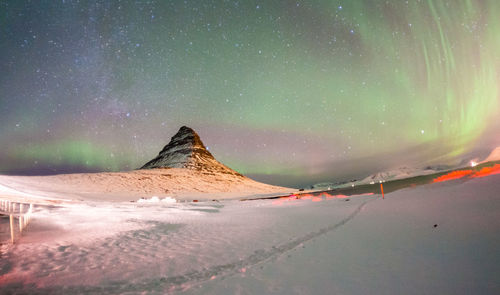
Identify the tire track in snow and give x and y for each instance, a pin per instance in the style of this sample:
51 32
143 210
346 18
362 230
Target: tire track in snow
191 279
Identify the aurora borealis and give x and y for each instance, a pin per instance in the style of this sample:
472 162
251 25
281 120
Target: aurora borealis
281 90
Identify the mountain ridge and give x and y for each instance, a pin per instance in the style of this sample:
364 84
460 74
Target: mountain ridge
186 150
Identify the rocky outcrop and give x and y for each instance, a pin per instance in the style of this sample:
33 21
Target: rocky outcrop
186 150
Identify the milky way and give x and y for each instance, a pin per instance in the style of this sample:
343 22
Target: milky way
285 91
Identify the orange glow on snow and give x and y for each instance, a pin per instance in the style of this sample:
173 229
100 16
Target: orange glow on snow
453 175
366 194
486 171
315 198
305 197
340 196
282 200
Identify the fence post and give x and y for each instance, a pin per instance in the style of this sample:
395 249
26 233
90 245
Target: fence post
11 228
20 223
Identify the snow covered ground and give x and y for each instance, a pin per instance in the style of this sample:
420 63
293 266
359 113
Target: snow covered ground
360 245
177 183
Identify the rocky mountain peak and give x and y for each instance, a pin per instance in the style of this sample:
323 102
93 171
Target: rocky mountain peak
186 140
186 150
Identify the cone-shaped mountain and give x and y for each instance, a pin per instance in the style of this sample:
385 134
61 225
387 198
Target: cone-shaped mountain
186 150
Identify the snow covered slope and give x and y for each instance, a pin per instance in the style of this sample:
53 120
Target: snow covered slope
493 156
178 183
440 238
398 173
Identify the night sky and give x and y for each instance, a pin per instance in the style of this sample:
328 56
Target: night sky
288 92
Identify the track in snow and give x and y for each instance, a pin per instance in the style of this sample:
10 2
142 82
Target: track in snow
190 279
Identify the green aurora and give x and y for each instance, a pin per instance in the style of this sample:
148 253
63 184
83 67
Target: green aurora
284 88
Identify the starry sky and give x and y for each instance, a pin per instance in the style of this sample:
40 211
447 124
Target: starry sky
287 92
